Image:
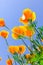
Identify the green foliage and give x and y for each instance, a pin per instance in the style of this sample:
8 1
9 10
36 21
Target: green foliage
40 29
17 58
37 58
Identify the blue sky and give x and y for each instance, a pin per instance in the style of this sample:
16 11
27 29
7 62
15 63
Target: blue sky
11 10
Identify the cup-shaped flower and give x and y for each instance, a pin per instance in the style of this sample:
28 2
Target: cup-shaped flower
13 49
0 33
2 22
27 15
30 58
9 62
4 33
18 31
22 49
27 56
29 32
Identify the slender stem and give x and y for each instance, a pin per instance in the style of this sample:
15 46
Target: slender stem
31 43
35 29
21 59
6 42
39 36
27 46
34 46
8 28
38 32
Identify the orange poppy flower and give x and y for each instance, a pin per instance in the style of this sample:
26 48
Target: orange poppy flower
13 49
9 62
2 22
4 33
15 36
27 15
29 33
22 49
17 31
27 56
0 33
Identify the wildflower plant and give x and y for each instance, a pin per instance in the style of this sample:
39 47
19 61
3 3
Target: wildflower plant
26 31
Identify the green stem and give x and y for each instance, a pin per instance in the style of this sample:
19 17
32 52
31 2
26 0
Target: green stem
27 46
7 28
39 36
21 59
38 32
6 42
35 29
33 41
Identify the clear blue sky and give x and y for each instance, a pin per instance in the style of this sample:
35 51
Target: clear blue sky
11 11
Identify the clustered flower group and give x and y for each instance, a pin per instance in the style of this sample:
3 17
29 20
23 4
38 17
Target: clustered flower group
17 49
27 30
